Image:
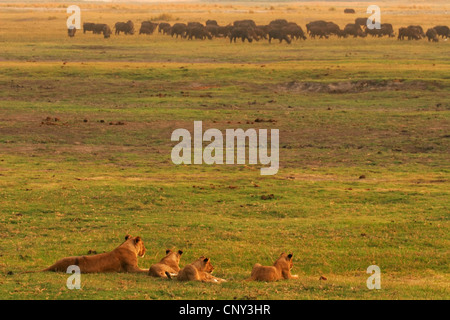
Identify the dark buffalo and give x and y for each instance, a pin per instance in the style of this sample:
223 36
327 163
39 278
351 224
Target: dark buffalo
261 32
98 28
195 25
278 24
162 26
212 23
244 24
179 29
148 27
386 29
442 31
432 35
167 30
354 30
410 33
224 31
71 31
213 30
349 10
332 28
242 33
125 27
88 26
323 29
198 33
419 28
317 31
315 24
295 32
361 22
106 30
279 34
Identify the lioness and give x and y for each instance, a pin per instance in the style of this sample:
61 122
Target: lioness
167 264
121 259
199 270
281 269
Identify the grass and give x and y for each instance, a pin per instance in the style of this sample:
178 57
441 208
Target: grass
77 186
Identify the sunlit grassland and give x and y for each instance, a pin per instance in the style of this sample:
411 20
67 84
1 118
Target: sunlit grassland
82 184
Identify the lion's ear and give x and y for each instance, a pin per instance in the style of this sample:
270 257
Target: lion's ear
127 237
206 260
137 239
180 252
290 256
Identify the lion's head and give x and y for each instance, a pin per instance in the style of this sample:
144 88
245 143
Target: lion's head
285 261
137 243
173 256
203 264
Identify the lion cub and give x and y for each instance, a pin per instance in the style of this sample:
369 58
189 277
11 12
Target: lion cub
199 270
167 264
281 269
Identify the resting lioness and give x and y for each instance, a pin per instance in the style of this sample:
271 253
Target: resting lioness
167 264
199 270
281 269
121 259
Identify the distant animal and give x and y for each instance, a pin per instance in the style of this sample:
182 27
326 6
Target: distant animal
98 28
179 29
71 31
88 26
442 31
212 23
348 10
386 29
279 35
121 259
432 35
242 33
106 30
195 25
162 26
198 33
167 264
213 30
224 31
125 27
281 269
422 34
199 270
317 31
411 33
147 27
354 30
294 31
244 24
361 22
315 24
261 32
278 23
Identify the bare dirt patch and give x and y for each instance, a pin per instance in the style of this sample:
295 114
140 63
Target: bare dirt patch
354 86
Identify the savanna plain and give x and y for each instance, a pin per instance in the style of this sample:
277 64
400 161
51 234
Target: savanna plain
364 152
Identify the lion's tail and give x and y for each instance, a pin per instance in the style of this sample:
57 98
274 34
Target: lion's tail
168 275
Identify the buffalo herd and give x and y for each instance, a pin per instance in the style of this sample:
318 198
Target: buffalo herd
280 29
